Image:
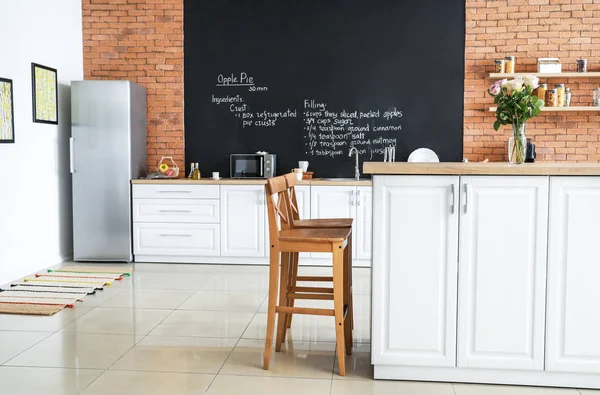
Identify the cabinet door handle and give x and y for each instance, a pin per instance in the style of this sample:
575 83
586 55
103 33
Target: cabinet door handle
175 211
466 197
165 191
174 235
352 198
452 197
358 198
71 157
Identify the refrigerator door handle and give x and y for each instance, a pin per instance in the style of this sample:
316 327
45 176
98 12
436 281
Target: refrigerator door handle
71 157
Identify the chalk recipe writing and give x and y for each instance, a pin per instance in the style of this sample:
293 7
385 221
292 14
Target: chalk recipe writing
332 133
327 132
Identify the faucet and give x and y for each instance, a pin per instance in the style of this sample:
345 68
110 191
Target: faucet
356 170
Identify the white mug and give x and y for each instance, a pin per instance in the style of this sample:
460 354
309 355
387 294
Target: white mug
297 170
215 175
299 176
303 164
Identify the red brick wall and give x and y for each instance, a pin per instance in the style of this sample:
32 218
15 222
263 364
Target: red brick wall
528 29
142 41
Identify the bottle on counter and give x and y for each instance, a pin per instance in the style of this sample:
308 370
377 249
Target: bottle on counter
568 97
192 167
196 172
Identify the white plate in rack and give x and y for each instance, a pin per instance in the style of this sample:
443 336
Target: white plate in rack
423 155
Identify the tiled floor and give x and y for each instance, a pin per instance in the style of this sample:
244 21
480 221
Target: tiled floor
195 329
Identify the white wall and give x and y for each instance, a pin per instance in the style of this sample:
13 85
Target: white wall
35 183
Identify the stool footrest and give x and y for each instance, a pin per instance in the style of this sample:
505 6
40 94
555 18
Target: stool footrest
313 289
305 310
293 295
314 278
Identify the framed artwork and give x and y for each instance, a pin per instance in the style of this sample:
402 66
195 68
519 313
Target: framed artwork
45 94
7 113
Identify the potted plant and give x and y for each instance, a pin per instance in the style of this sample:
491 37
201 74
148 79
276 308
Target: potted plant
516 104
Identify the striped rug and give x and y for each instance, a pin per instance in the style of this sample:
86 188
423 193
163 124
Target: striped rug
50 292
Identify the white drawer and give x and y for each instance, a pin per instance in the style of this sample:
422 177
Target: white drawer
164 191
202 211
176 239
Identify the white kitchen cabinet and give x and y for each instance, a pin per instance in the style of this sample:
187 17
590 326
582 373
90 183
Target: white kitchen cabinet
573 319
176 239
176 210
364 223
333 202
415 248
243 221
503 239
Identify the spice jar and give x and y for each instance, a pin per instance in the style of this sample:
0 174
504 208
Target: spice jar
582 66
567 97
560 95
509 64
499 66
551 97
541 91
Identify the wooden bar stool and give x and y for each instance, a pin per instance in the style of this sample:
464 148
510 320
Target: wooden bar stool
285 240
298 223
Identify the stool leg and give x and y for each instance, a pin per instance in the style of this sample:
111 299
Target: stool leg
338 304
351 299
273 285
282 318
347 300
294 279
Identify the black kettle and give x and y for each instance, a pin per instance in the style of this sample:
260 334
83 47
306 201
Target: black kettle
530 152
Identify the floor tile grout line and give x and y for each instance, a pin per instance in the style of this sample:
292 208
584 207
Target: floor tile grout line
135 343
235 345
453 389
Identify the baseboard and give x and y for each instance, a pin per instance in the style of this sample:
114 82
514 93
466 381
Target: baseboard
31 269
488 376
236 260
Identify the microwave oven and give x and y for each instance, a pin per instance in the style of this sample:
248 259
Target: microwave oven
252 165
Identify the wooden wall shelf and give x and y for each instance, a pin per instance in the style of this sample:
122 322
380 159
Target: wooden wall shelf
592 74
561 109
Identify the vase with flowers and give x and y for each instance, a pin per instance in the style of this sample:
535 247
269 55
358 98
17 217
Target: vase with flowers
516 104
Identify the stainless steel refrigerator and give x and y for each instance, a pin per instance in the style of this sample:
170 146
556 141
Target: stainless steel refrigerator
108 150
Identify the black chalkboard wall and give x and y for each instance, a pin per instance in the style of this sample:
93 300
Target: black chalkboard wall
309 79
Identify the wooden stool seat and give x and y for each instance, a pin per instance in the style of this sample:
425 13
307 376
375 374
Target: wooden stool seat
323 223
318 235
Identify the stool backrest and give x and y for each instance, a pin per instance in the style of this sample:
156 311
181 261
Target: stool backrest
290 180
277 207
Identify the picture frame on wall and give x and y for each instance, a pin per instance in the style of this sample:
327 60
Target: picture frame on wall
45 94
7 112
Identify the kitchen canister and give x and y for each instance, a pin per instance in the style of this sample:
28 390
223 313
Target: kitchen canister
551 98
499 66
560 95
509 64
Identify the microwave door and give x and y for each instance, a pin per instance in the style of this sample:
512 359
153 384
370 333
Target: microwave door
262 166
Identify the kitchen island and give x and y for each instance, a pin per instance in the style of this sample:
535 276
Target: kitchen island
486 273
